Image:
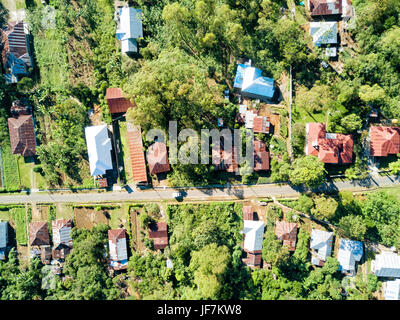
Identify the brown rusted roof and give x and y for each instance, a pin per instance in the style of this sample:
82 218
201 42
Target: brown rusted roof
157 158
22 135
39 233
384 141
136 153
287 232
116 101
223 158
261 124
325 7
116 234
261 156
253 259
158 232
248 213
14 41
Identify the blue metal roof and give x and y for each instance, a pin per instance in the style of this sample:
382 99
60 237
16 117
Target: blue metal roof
258 86
355 247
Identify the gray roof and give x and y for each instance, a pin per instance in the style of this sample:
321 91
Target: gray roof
3 234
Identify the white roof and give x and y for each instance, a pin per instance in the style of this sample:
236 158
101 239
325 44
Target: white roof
130 23
118 251
324 32
62 235
387 265
254 232
392 291
99 149
321 242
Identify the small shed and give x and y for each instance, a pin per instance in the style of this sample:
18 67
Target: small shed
158 232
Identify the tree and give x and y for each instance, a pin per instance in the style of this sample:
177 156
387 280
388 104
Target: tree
305 203
309 171
209 266
351 122
353 227
273 252
372 95
324 207
395 167
317 99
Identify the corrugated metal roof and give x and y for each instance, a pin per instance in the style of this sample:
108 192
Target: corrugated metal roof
252 83
261 156
350 251
287 232
3 234
387 265
392 290
254 232
39 233
116 101
117 244
324 32
99 149
62 232
130 29
136 153
321 242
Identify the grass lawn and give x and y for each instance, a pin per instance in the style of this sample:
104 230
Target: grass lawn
119 216
25 171
4 216
302 116
51 58
11 171
125 152
18 216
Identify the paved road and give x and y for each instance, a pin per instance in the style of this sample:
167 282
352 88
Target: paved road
196 194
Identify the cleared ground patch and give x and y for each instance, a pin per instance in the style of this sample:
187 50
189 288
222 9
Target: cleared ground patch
89 217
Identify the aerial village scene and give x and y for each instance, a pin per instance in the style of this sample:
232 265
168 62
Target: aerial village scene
288 111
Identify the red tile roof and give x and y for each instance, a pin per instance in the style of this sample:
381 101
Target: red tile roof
384 141
116 101
157 158
287 232
261 156
39 234
136 153
328 147
261 124
22 135
158 232
325 7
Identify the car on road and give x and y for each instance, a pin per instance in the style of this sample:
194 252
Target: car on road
177 195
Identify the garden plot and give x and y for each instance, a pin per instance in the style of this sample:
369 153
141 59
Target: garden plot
89 217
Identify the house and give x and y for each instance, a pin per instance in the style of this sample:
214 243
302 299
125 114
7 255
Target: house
321 246
251 84
387 265
287 232
15 54
157 158
62 241
22 135
116 101
261 156
324 33
392 290
3 239
261 124
332 148
130 29
39 234
326 8
118 249
384 141
99 149
248 213
253 232
136 153
350 252
223 158
158 232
